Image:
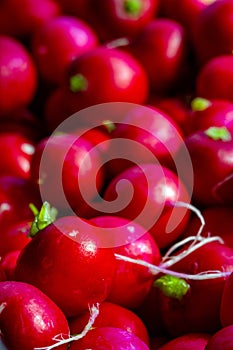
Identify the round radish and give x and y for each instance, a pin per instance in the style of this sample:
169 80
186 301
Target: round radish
105 338
65 262
192 341
226 308
222 340
28 318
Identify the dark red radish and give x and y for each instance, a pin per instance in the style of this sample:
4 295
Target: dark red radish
131 283
18 76
8 263
150 313
211 153
214 80
23 122
55 111
15 196
198 310
77 8
148 194
124 18
217 223
124 78
176 107
28 318
14 237
112 315
2 274
221 340
66 253
191 341
226 308
186 13
21 18
156 138
213 31
17 151
105 338
53 56
161 49
66 168
205 113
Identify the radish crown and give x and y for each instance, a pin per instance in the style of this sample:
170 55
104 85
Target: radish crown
43 218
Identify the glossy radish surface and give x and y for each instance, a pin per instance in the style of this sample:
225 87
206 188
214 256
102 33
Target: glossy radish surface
36 318
109 338
112 315
191 341
221 340
66 253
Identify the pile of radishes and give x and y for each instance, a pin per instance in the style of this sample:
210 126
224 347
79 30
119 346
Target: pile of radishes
116 174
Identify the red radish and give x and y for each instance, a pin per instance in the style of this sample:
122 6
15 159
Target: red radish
150 129
23 122
213 30
14 237
109 338
55 111
122 17
226 308
124 79
161 49
150 313
131 283
8 262
18 152
176 107
206 113
53 56
112 315
221 340
28 318
15 196
64 165
214 80
217 223
77 8
187 13
16 70
150 200
2 274
66 253
22 17
192 341
211 153
181 314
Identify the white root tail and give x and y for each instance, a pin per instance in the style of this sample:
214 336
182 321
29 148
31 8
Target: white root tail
65 339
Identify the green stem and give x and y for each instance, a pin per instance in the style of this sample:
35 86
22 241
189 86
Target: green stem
78 83
43 218
133 7
199 104
171 286
218 133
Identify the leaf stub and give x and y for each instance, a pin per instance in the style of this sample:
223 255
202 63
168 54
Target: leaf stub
172 286
218 133
43 218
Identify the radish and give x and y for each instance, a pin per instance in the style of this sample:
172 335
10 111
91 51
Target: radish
211 153
70 157
28 318
112 315
180 313
150 200
191 341
221 340
66 253
131 283
226 308
109 338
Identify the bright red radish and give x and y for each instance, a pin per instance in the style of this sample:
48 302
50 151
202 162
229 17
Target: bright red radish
28 318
